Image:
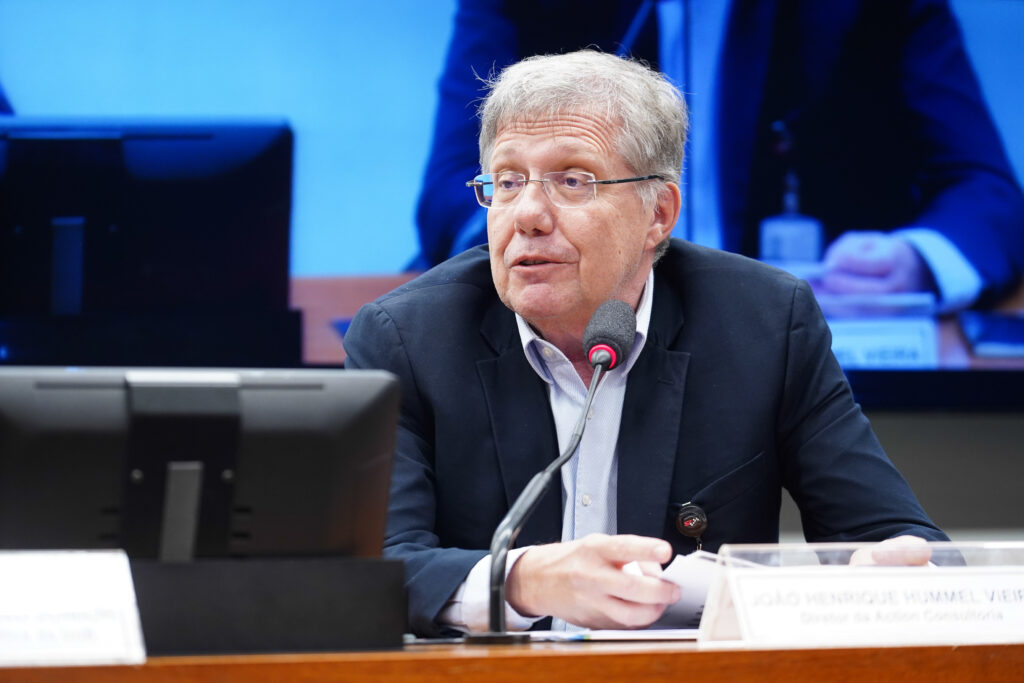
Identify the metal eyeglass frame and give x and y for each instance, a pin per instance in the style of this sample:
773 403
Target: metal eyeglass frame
478 185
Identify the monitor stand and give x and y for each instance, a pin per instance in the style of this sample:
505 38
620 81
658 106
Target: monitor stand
177 513
264 605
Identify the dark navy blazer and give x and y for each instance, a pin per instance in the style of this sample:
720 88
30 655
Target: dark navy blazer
735 395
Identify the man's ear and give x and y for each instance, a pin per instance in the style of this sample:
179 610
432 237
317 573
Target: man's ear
666 211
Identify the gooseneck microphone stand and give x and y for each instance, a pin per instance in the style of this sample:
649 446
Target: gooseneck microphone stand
506 533
607 339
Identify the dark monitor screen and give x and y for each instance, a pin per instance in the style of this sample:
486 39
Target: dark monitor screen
174 464
139 241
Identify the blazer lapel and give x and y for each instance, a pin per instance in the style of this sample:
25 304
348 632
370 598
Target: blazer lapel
524 430
651 415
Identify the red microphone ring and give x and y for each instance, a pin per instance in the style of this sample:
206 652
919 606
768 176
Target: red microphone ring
603 347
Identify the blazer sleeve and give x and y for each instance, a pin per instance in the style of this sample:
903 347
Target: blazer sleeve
845 486
433 573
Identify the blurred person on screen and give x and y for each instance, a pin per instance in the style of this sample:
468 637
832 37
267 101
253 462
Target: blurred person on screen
871 109
729 394
5 105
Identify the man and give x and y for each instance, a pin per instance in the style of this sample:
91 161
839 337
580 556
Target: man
730 392
884 127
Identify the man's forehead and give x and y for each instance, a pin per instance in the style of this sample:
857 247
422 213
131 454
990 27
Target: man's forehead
563 132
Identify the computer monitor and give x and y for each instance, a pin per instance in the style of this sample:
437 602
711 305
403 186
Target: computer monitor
138 241
175 464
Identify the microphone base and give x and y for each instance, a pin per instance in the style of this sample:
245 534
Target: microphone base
493 638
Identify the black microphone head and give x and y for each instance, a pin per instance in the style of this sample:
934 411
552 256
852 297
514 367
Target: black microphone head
610 334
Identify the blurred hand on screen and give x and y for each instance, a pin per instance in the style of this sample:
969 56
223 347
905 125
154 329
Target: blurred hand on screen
901 551
873 263
583 583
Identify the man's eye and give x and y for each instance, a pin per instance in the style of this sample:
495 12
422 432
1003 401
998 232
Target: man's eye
507 185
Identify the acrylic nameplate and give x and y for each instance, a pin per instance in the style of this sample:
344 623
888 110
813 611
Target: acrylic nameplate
840 605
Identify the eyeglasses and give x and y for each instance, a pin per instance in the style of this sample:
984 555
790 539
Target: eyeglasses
567 189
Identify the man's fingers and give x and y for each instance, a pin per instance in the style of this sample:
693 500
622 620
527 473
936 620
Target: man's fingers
868 253
873 263
643 553
646 590
587 581
628 548
845 283
902 551
624 614
649 568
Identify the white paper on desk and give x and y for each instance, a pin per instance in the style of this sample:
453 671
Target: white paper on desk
615 635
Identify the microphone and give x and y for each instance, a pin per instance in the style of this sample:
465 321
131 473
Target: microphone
610 334
692 521
607 341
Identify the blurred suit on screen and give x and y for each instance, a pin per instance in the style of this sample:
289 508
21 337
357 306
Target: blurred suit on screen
5 106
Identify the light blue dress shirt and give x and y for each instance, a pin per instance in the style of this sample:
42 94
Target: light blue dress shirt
589 478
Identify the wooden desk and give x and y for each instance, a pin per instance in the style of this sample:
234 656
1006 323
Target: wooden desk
570 663
326 299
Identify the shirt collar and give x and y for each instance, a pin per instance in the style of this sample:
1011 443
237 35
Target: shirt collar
533 343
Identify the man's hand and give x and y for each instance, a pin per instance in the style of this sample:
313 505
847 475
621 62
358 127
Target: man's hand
583 583
873 263
901 551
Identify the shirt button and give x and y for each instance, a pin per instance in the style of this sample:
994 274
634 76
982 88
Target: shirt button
585 500
547 353
590 415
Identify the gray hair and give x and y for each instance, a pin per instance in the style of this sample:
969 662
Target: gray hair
647 108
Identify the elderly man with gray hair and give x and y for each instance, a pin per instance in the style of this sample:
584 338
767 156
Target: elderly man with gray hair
729 394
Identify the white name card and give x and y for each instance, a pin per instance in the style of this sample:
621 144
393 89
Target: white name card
910 342
844 606
64 608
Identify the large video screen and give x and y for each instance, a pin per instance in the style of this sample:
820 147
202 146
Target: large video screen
843 151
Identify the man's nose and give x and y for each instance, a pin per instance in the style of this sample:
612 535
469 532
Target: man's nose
533 209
